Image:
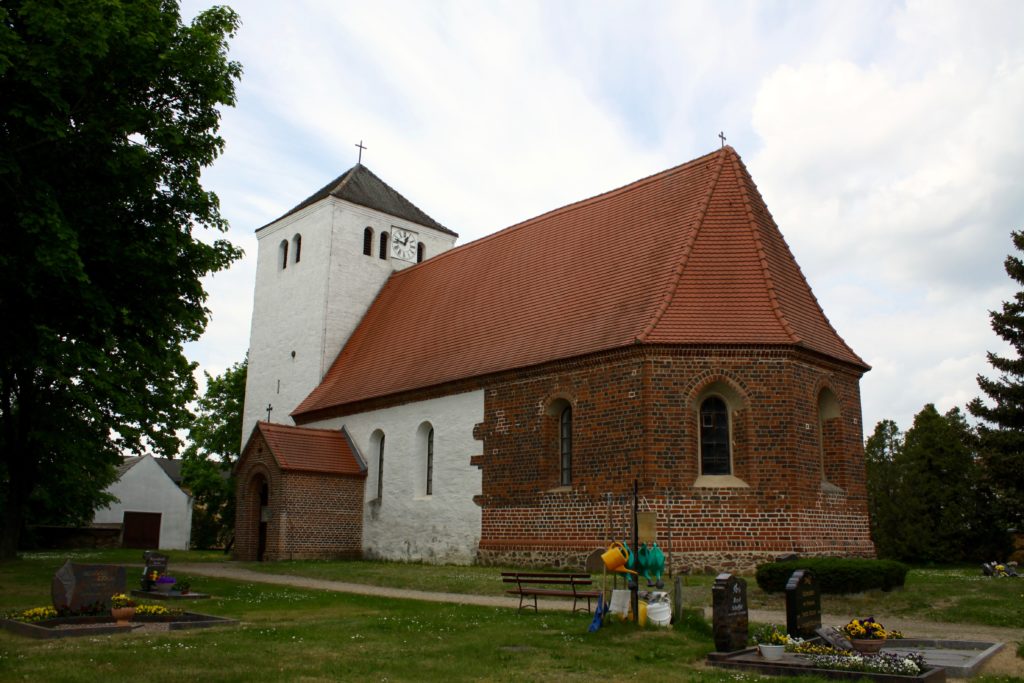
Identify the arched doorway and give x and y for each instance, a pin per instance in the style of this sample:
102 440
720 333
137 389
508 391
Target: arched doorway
260 489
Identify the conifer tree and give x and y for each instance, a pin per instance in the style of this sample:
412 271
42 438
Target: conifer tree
1002 432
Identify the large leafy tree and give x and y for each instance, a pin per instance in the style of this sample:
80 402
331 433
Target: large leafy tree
214 439
108 113
882 452
1002 432
929 501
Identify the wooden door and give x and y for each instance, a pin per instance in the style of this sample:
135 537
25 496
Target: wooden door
141 530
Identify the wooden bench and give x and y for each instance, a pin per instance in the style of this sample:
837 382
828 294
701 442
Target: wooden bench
532 584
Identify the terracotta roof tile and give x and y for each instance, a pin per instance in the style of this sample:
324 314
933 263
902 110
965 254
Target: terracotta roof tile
687 256
302 449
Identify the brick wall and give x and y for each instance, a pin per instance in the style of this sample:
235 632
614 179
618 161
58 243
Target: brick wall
635 415
312 515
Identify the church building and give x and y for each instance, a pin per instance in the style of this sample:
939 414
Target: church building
495 402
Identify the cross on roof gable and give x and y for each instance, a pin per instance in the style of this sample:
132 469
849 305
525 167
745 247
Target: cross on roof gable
688 256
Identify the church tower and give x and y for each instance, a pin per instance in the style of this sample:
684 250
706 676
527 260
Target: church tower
319 267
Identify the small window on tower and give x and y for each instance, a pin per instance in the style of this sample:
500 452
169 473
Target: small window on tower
421 252
283 254
368 241
383 246
297 247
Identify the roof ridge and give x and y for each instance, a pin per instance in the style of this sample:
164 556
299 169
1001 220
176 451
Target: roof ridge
761 255
685 248
602 196
800 271
277 425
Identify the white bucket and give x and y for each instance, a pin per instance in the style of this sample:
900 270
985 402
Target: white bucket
619 604
659 613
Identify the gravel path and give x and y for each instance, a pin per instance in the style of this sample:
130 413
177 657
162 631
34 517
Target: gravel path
1004 663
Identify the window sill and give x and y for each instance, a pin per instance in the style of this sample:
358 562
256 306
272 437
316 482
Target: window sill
560 489
829 487
425 497
719 481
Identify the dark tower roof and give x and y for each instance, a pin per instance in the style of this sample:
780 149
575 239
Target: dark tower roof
360 186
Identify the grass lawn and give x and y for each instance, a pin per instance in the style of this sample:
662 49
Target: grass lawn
289 634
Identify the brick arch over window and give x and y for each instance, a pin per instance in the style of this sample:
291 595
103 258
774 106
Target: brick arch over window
558 432
718 419
830 436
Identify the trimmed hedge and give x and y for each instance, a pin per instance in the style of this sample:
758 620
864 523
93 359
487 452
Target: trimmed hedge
835 574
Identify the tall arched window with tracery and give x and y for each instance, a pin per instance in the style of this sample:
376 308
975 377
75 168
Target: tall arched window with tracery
715 455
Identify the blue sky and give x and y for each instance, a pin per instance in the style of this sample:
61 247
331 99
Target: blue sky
885 138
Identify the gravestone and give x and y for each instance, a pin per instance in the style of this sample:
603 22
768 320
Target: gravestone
86 587
730 619
155 562
803 604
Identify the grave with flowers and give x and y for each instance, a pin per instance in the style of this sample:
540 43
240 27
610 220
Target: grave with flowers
862 648
90 599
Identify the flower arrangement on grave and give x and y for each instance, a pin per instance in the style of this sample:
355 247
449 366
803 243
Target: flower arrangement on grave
867 629
151 611
121 600
770 634
910 664
34 614
802 647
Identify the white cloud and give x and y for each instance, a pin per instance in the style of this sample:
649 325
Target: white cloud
883 136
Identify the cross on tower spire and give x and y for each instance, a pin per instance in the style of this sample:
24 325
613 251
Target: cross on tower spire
361 148
721 135
269 408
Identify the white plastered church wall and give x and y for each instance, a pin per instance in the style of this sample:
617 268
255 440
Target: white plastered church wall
312 307
405 524
147 488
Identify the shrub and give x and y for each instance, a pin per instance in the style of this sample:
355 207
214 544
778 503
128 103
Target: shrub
835 574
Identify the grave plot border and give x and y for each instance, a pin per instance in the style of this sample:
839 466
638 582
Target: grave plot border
104 625
749 660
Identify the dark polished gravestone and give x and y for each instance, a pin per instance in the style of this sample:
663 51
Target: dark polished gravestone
803 604
86 586
155 563
729 615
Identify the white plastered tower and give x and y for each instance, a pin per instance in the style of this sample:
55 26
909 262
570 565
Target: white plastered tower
314 283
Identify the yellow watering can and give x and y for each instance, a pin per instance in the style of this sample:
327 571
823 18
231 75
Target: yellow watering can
616 558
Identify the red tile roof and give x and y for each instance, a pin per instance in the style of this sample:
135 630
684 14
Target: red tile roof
302 449
690 255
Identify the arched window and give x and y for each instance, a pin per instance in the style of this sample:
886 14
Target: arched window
368 241
715 456
829 436
429 489
297 247
565 446
383 246
283 254
421 252
380 468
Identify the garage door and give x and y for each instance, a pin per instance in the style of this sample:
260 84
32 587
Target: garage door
141 530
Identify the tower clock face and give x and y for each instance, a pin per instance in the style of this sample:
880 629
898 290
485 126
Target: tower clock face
403 244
